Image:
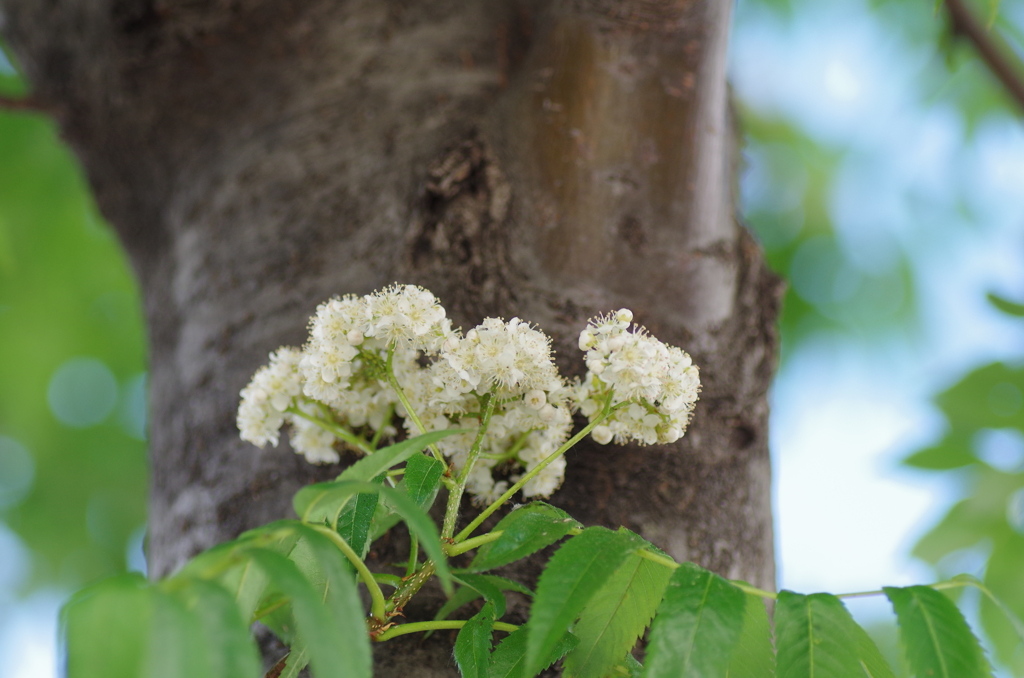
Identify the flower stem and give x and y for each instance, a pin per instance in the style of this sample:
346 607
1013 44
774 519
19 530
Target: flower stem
377 605
417 627
334 429
476 542
451 513
393 381
468 530
385 422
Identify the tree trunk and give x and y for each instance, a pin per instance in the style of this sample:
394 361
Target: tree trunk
549 160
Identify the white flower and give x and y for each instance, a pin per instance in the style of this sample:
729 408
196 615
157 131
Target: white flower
311 441
407 316
602 435
535 399
511 356
660 381
267 396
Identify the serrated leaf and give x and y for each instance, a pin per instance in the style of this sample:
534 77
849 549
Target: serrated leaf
422 479
388 457
577 571
815 637
354 522
318 627
634 669
616 616
697 625
524 531
754 656
327 499
871 659
1005 305
473 644
491 593
232 652
507 659
937 640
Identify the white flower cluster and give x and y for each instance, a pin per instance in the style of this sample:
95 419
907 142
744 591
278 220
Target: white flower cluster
660 382
339 383
339 375
511 362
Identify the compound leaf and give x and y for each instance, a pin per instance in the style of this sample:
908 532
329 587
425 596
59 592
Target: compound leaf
698 625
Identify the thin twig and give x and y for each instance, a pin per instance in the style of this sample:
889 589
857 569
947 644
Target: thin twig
22 104
1008 70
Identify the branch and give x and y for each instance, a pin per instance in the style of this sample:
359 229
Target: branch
1005 68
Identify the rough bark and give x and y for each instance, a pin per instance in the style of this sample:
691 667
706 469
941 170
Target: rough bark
549 160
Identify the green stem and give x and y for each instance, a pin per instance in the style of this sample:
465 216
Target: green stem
512 451
417 627
393 381
468 530
385 422
457 549
451 513
410 585
267 609
334 429
377 605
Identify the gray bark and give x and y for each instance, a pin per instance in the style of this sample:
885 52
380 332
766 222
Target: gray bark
549 160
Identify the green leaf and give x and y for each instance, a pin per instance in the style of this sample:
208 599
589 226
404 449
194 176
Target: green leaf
324 501
754 656
815 637
508 658
354 522
422 479
953 451
296 660
938 642
697 626
466 594
385 458
524 531
634 669
491 593
1005 305
1000 614
871 659
106 628
177 647
616 617
577 571
337 590
317 626
473 644
232 652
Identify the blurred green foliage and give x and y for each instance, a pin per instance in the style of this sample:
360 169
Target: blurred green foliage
984 447
72 459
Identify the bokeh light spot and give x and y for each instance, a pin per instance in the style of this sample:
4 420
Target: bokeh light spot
16 471
1001 448
82 393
